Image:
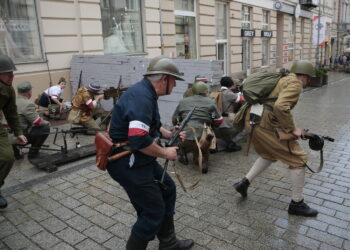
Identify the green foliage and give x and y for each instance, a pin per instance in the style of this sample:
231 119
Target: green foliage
321 71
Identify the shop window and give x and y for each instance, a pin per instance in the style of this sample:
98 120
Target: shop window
290 52
265 52
185 28
246 17
19 32
265 20
291 26
121 26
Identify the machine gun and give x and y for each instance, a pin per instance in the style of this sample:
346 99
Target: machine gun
115 93
171 143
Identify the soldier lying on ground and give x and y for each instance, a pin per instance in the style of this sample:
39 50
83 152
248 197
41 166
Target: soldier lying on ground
201 121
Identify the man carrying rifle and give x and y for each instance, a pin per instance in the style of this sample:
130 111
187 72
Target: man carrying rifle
86 108
277 116
135 123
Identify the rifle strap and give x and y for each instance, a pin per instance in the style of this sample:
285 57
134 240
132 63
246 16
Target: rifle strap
321 164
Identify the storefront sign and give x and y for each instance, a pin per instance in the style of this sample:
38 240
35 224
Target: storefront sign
266 33
285 47
285 59
247 33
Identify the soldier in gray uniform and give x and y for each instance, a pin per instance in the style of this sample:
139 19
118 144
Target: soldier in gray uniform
34 127
205 114
227 135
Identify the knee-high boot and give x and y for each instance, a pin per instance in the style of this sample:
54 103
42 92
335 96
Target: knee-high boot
135 243
167 237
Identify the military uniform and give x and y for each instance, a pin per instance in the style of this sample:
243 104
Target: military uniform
136 119
84 109
277 115
291 153
35 128
205 113
226 133
9 109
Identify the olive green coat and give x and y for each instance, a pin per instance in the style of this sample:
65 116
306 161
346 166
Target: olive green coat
9 109
265 142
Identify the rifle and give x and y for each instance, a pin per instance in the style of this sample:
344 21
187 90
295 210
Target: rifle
171 143
114 92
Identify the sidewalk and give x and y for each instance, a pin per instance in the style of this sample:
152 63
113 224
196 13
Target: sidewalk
80 207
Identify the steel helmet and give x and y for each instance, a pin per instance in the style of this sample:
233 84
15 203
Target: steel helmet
303 67
6 64
163 65
199 88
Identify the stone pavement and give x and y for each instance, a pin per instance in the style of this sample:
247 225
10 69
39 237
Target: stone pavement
80 207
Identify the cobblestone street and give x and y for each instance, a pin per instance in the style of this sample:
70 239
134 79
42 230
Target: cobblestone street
81 207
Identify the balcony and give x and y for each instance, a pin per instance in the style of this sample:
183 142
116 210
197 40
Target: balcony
308 4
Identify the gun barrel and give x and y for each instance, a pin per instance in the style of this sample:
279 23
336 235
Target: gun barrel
181 127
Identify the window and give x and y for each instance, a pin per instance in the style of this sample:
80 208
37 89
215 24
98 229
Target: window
291 26
246 17
221 20
185 28
265 52
221 34
121 26
265 20
19 32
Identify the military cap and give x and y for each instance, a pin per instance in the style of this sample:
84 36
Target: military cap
163 65
94 88
24 87
199 78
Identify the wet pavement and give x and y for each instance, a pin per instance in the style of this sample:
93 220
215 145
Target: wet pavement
81 207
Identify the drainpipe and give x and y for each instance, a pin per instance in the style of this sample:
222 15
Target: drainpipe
78 21
161 28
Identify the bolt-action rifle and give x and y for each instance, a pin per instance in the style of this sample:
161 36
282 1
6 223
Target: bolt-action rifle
173 140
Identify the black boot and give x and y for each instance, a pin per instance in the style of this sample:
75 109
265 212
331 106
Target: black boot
136 244
167 237
3 202
242 187
302 209
233 147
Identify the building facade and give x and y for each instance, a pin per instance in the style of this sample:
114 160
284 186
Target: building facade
248 35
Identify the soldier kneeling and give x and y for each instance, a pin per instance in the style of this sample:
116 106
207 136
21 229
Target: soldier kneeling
86 108
34 127
201 121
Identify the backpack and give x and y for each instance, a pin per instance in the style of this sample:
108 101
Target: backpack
259 85
217 96
255 89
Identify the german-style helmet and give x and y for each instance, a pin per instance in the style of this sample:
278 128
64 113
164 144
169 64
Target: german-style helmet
6 64
316 142
163 65
199 88
303 67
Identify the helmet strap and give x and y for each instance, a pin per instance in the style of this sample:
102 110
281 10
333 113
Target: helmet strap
167 85
6 84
